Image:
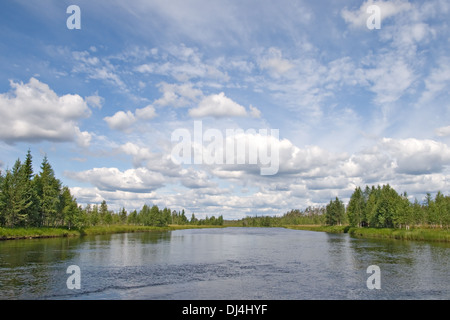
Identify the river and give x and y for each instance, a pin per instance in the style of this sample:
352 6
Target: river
223 263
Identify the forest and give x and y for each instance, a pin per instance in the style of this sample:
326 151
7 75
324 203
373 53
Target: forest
41 200
375 207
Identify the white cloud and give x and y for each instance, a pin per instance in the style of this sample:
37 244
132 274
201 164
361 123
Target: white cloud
95 101
140 180
274 62
143 157
358 18
146 113
34 112
436 83
443 131
255 112
390 78
183 64
124 121
121 121
218 106
178 95
417 157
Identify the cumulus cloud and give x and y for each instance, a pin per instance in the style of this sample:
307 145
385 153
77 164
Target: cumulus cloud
146 113
417 157
121 120
220 106
144 157
124 121
33 112
112 179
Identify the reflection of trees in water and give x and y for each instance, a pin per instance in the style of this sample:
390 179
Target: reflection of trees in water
28 266
34 268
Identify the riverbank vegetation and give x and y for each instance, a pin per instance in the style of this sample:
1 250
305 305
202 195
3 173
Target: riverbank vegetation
376 212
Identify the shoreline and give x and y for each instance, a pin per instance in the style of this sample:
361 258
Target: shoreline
416 234
44 232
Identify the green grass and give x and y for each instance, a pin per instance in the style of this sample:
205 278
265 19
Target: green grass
26 233
30 233
422 234
315 227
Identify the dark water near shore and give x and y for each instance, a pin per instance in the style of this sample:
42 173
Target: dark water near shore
228 263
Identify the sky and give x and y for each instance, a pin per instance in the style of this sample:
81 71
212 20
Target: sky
352 103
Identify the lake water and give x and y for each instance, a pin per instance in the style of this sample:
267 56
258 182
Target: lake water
226 263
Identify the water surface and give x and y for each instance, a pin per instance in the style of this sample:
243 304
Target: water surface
225 263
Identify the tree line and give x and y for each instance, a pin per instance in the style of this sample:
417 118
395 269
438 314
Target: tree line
378 207
41 200
383 207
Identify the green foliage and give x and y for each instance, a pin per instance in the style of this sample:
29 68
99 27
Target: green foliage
356 209
335 212
310 216
383 207
28 200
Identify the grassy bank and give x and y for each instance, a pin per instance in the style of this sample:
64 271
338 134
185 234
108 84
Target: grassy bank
31 233
34 233
420 234
314 227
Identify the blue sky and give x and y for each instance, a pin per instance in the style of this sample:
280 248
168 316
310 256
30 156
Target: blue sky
353 106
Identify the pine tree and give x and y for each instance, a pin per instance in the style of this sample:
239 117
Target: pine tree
69 209
19 200
5 200
30 192
123 216
335 212
356 209
48 190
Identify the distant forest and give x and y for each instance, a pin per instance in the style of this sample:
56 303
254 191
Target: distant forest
40 200
377 207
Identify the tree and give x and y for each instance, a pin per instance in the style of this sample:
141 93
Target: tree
19 198
194 220
123 216
94 218
133 218
356 209
48 189
386 207
144 215
335 212
439 209
5 200
404 216
69 209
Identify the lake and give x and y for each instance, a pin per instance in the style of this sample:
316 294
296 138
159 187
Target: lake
223 263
